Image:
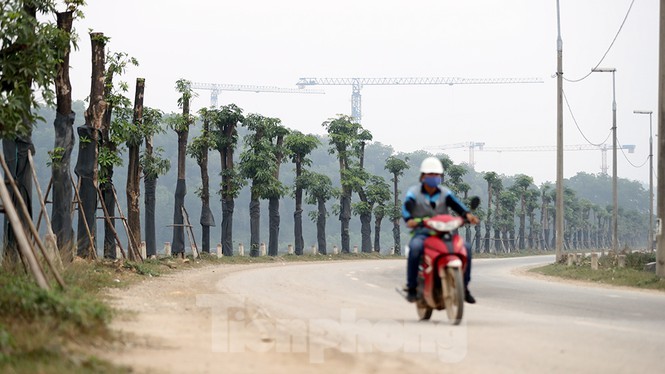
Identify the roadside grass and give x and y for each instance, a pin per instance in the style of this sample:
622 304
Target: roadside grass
47 331
53 331
520 253
633 275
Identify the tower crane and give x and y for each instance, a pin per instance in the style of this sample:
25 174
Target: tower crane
358 83
471 145
539 148
217 88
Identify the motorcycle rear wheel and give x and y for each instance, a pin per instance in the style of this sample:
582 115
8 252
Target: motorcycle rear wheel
453 294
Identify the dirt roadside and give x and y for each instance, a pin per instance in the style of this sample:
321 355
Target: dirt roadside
163 330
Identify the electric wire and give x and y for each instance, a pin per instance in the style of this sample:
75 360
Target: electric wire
578 126
608 49
626 157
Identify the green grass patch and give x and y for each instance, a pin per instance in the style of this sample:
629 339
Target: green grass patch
522 253
608 271
45 331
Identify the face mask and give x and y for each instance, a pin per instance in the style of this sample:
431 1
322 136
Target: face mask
432 181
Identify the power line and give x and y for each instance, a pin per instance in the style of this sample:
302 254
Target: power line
608 49
578 127
626 157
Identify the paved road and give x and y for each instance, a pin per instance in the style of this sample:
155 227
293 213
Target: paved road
520 324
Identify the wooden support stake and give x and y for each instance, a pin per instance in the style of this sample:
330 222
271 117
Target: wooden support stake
27 251
49 228
190 233
133 243
48 190
85 220
108 220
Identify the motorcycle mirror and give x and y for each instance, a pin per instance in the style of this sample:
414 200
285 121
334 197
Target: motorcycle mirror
475 201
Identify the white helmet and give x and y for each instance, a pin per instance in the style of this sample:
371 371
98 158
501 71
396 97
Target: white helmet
431 165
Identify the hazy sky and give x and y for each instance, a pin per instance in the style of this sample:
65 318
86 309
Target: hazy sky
273 43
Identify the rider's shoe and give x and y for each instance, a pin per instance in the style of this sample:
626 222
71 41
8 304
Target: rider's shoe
468 297
411 294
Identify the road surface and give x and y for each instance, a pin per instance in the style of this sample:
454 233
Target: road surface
346 317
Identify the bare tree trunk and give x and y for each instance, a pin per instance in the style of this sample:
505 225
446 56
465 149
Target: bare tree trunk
134 171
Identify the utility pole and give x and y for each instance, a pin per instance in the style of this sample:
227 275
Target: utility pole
660 211
559 138
650 236
615 197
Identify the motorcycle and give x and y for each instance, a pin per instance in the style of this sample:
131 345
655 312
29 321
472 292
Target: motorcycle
441 271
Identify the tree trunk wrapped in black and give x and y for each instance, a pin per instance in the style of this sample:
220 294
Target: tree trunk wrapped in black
377 232
228 205
109 225
178 242
345 217
254 226
16 157
273 232
297 231
297 215
85 170
397 237
62 196
321 226
207 221
366 232
150 241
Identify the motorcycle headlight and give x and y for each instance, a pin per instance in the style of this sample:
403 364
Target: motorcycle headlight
443 226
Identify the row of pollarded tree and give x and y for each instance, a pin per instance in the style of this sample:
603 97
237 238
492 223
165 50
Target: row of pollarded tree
38 56
35 59
112 122
512 221
266 146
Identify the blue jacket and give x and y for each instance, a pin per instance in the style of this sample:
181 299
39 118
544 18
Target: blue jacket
419 204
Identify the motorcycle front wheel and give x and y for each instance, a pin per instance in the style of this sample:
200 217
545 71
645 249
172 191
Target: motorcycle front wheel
453 294
424 312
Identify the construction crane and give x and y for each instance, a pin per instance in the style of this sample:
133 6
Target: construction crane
217 88
358 83
540 148
579 147
471 145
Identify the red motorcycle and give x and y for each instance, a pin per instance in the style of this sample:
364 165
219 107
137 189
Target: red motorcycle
441 272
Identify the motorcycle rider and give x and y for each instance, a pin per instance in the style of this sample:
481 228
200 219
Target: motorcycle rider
427 199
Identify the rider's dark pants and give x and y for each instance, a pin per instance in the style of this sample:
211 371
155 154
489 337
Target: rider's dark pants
416 246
